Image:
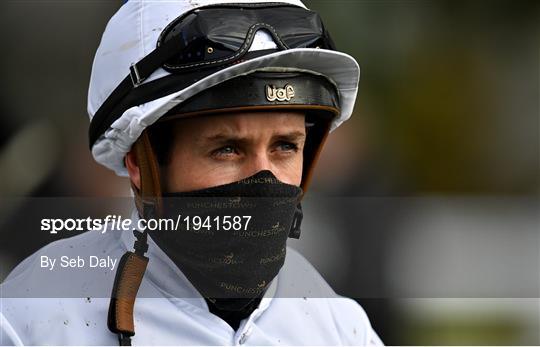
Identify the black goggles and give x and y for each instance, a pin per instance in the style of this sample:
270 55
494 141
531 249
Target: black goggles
204 41
223 33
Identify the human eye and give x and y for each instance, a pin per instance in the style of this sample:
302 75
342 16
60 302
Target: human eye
224 152
286 146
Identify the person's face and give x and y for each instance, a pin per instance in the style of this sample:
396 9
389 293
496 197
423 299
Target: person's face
213 150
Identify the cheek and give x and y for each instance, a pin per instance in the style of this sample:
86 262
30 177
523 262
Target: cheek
290 172
182 173
190 171
173 175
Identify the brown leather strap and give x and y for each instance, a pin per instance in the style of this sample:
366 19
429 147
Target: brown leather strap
317 137
126 285
149 195
132 266
324 111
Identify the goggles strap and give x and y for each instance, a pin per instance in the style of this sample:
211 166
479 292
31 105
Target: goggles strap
140 71
125 95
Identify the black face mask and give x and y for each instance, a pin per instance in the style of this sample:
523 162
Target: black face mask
235 242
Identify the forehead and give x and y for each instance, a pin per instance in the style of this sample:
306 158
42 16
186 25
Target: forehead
242 124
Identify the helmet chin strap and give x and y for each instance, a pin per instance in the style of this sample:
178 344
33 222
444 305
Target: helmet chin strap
148 197
132 265
148 200
315 141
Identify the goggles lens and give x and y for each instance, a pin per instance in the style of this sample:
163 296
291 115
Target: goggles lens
215 35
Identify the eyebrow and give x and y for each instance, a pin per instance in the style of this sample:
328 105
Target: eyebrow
289 136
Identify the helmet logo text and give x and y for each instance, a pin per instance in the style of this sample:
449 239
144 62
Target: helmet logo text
280 94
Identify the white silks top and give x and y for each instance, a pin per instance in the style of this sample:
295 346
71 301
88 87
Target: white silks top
40 306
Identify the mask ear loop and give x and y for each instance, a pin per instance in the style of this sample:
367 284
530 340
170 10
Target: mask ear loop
132 265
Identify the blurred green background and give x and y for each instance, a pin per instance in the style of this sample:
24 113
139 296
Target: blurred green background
448 107
449 91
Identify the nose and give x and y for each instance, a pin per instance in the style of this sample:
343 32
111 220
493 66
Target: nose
258 161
